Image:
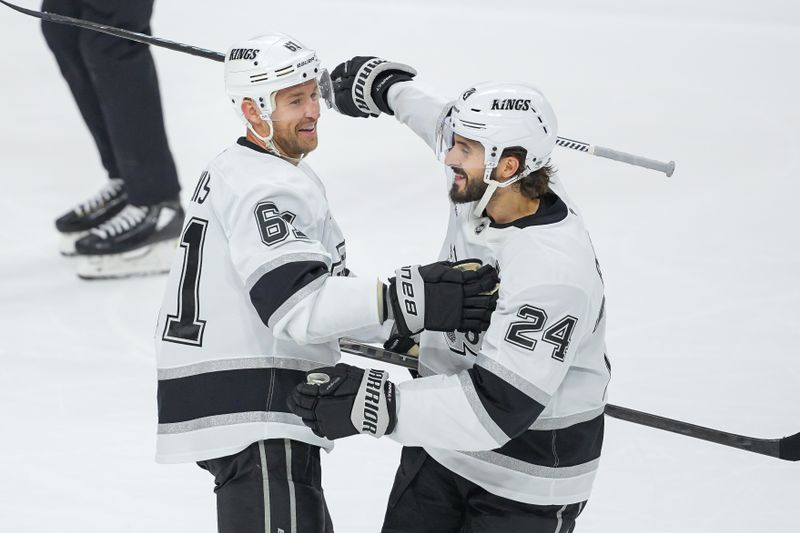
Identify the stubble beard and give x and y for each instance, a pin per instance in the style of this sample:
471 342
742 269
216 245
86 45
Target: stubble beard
295 146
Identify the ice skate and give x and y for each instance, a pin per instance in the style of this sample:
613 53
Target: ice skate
138 241
100 208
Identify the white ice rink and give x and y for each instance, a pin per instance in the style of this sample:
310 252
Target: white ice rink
701 268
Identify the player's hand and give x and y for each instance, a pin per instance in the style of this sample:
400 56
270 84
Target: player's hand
345 400
360 85
443 297
402 344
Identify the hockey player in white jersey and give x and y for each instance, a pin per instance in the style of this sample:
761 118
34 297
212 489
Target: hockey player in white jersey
259 293
503 432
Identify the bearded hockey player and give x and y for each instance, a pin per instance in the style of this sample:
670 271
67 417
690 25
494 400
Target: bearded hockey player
259 293
503 431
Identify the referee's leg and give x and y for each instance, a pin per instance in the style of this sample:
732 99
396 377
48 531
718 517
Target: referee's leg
63 41
124 78
271 486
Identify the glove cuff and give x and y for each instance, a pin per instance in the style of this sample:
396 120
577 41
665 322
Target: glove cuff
390 393
382 85
367 75
384 306
407 293
373 410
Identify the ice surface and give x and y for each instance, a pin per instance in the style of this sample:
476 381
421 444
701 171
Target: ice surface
701 268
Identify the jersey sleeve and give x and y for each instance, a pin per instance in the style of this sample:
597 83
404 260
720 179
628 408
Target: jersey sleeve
417 108
526 353
273 230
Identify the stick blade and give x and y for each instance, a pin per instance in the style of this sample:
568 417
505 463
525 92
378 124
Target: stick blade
790 448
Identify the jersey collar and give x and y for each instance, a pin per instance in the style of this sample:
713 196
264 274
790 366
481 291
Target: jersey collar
552 209
247 143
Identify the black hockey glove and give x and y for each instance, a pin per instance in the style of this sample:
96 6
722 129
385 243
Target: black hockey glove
360 85
442 297
345 400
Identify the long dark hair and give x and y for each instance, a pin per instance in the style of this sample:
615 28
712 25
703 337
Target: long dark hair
535 184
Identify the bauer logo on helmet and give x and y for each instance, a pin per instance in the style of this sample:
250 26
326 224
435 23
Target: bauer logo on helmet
306 62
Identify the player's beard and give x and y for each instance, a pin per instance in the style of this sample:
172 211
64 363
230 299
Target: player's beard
473 189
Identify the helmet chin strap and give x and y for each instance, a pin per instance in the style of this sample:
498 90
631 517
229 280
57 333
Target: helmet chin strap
270 144
493 185
487 195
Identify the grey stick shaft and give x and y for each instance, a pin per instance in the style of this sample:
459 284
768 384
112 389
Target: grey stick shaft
608 153
600 151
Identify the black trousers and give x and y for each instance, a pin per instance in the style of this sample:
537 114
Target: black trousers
114 83
272 486
429 498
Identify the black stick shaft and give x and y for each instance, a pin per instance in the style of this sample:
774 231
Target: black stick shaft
769 447
787 448
118 32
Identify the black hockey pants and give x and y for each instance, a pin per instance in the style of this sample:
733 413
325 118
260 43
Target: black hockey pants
429 498
114 83
270 486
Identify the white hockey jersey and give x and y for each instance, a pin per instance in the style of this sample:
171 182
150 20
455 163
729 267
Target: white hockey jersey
255 298
519 409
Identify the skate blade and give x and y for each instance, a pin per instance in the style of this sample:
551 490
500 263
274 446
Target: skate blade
66 246
145 261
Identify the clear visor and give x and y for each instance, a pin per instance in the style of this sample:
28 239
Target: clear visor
326 89
455 151
445 136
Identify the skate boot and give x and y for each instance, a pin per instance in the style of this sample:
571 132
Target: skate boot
94 211
138 241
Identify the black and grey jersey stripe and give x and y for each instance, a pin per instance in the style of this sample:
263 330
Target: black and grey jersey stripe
515 412
570 446
226 392
511 409
280 286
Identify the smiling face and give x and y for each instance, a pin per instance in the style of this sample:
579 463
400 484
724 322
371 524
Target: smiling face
466 160
295 119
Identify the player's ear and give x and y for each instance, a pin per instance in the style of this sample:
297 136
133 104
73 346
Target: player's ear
508 167
253 115
250 112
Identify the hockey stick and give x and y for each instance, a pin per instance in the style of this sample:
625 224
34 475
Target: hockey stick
118 32
786 448
616 155
666 168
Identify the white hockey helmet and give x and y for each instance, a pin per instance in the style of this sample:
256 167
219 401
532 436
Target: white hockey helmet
501 115
260 67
